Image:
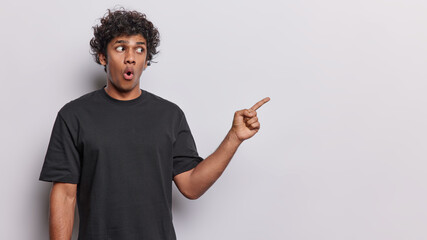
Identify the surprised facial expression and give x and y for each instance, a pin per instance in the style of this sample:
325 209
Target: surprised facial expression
125 61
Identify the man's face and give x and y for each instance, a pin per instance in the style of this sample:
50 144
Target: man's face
125 61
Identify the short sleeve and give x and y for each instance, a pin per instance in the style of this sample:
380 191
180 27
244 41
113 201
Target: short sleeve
185 156
62 160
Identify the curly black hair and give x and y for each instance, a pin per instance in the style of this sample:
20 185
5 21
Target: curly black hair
123 22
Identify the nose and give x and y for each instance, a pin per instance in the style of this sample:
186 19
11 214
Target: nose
129 57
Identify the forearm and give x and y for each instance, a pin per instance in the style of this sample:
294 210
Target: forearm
193 183
61 217
209 170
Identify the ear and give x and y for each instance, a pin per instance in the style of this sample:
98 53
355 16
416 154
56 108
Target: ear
102 59
145 65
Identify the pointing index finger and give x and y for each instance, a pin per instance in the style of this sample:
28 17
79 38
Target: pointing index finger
260 103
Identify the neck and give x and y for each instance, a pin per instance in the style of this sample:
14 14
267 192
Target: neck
123 94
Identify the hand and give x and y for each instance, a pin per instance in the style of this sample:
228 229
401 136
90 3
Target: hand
245 122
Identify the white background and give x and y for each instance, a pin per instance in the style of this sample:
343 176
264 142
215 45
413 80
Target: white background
341 153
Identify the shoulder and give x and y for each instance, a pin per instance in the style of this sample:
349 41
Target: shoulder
163 104
73 107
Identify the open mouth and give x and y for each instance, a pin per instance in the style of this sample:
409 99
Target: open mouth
128 75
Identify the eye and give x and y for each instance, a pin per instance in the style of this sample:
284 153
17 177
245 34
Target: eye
120 48
140 50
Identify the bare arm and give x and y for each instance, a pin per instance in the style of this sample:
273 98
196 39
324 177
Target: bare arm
193 183
62 207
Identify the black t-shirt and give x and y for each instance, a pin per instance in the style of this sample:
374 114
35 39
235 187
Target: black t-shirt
123 156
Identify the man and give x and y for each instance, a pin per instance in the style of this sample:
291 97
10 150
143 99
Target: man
115 151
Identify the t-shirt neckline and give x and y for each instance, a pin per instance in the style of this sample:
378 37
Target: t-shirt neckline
122 102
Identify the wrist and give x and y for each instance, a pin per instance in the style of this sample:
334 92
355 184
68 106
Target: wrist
233 138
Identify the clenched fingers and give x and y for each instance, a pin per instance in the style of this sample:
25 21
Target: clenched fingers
255 125
252 120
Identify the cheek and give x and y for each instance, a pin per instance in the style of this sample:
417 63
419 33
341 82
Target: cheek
114 64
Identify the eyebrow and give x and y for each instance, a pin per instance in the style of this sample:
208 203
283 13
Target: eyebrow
123 41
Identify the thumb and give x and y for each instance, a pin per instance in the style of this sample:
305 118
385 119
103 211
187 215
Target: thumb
239 115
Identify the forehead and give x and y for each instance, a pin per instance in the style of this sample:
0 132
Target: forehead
129 39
